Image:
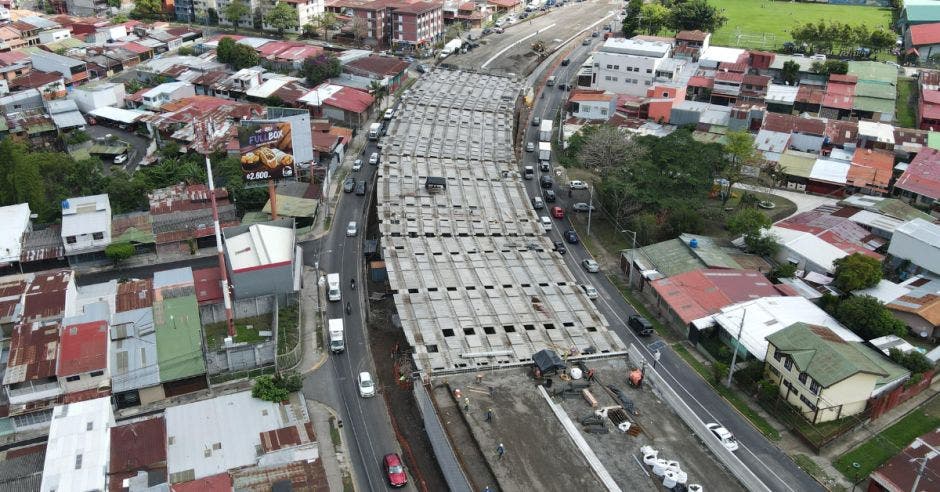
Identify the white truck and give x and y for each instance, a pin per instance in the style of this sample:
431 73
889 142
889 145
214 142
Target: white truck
545 151
375 130
337 336
545 131
333 291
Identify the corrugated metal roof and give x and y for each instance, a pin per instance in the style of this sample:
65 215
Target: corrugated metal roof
133 351
43 244
698 293
138 446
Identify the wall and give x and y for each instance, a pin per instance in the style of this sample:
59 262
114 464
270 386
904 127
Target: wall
614 79
264 281
898 396
244 308
151 394
852 393
85 382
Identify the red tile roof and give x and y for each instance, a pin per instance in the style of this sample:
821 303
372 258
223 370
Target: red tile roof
922 175
298 53
701 81
208 284
422 7
924 34
737 67
698 293
871 168
729 77
503 3
379 65
83 348
33 351
216 483
582 95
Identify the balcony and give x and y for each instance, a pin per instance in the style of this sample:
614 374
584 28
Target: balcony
33 391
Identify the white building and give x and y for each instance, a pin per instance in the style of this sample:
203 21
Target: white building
806 251
14 221
86 224
245 20
627 66
54 35
92 96
79 447
164 93
917 241
592 105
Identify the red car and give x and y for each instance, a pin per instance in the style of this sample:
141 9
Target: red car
395 470
558 212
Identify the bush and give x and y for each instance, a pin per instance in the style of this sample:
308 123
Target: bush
868 317
118 252
719 372
76 137
749 376
913 361
276 388
856 271
767 390
787 270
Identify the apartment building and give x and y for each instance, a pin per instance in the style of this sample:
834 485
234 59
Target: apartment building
416 25
629 66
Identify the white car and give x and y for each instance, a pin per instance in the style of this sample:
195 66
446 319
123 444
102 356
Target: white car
577 185
366 385
120 159
589 291
724 436
374 158
591 266
529 147
352 228
582 207
546 223
389 113
357 165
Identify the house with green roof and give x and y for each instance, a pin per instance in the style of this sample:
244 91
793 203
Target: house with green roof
917 12
876 90
796 166
686 253
826 376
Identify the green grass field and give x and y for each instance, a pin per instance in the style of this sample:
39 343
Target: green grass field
758 17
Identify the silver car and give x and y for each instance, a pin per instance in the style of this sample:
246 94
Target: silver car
591 266
352 229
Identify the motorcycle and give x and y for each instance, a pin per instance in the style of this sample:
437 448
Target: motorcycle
348 308
352 283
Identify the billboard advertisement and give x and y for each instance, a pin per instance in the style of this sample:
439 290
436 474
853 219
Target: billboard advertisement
266 150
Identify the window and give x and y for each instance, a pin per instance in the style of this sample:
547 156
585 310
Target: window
95 374
609 66
802 377
72 378
649 70
70 239
788 364
616 67
97 236
814 387
806 401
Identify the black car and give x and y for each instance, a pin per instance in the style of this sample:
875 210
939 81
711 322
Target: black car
421 68
565 62
562 87
349 185
546 182
523 15
560 247
571 236
361 188
640 325
487 31
549 196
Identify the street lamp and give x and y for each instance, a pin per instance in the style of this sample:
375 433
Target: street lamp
855 468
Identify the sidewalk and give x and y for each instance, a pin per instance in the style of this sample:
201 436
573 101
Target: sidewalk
334 457
311 297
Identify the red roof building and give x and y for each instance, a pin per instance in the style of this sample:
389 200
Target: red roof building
928 104
921 179
138 446
835 230
134 294
48 295
840 92
778 122
379 68
33 351
923 40
183 212
841 132
208 285
901 471
699 293
83 348
215 483
871 170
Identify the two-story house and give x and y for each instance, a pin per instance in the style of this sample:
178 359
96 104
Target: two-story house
82 364
86 227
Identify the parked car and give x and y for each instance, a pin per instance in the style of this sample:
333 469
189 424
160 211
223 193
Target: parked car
487 31
530 146
352 229
577 185
640 325
366 385
589 291
558 212
582 207
361 188
536 121
349 185
374 158
595 34
549 196
498 30
590 265
571 236
421 68
120 159
586 42
357 165
395 470
560 247
389 113
724 436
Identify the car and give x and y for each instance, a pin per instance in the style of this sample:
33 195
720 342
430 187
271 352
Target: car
389 113
577 185
586 42
357 165
549 196
571 236
120 159
562 87
560 247
582 207
725 437
595 34
352 228
536 121
640 325
394 470
537 203
379 144
546 223
421 68
530 146
558 212
349 185
591 266
589 291
546 182
528 172
374 158
487 31
523 15
366 385
361 188
565 62
498 30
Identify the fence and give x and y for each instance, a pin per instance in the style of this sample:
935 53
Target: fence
234 376
293 356
244 308
666 393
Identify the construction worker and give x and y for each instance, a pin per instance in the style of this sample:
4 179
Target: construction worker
500 451
489 414
466 404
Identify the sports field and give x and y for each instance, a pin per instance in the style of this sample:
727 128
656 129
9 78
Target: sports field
755 18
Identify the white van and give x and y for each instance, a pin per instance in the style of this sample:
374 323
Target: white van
551 81
332 282
528 172
546 223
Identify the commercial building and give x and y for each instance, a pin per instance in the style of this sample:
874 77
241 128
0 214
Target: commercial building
627 66
79 447
262 259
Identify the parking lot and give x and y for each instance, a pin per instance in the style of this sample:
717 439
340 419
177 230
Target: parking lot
540 455
138 144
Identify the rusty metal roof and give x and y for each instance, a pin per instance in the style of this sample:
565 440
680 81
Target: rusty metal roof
134 294
46 295
43 244
33 351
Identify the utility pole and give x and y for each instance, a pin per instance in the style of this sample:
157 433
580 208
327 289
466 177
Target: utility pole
590 206
737 345
923 463
229 315
632 256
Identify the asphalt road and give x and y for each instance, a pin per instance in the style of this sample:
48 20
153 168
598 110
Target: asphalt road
770 464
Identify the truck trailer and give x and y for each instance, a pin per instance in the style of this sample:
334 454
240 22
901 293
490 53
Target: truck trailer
545 151
545 131
375 130
333 291
337 336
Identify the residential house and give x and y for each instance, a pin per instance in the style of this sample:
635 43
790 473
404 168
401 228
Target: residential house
914 465
261 259
50 84
28 32
202 123
65 115
133 452
627 66
178 327
182 214
876 90
82 365
98 95
10 38
74 71
14 224
592 104
839 97
54 35
916 302
920 182
918 243
871 171
12 289
344 105
686 253
922 42
388 71
916 12
22 468
470 15
79 447
86 227
86 8
416 25
135 370
928 104
693 39
826 376
164 93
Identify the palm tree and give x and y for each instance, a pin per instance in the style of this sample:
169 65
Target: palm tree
379 92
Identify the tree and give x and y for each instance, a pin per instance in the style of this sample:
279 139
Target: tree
360 28
748 222
763 244
631 21
328 22
147 9
607 147
320 67
913 361
790 72
867 317
830 67
281 18
740 154
696 14
378 91
646 227
857 271
235 10
785 270
309 30
120 18
276 388
237 55
654 17
213 16
118 252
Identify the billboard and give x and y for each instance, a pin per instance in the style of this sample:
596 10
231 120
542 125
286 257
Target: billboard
266 150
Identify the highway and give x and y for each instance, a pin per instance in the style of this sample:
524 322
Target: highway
770 464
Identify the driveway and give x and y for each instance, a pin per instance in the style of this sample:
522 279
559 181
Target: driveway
138 144
804 202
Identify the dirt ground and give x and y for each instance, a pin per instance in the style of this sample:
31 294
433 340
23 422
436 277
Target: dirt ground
541 456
